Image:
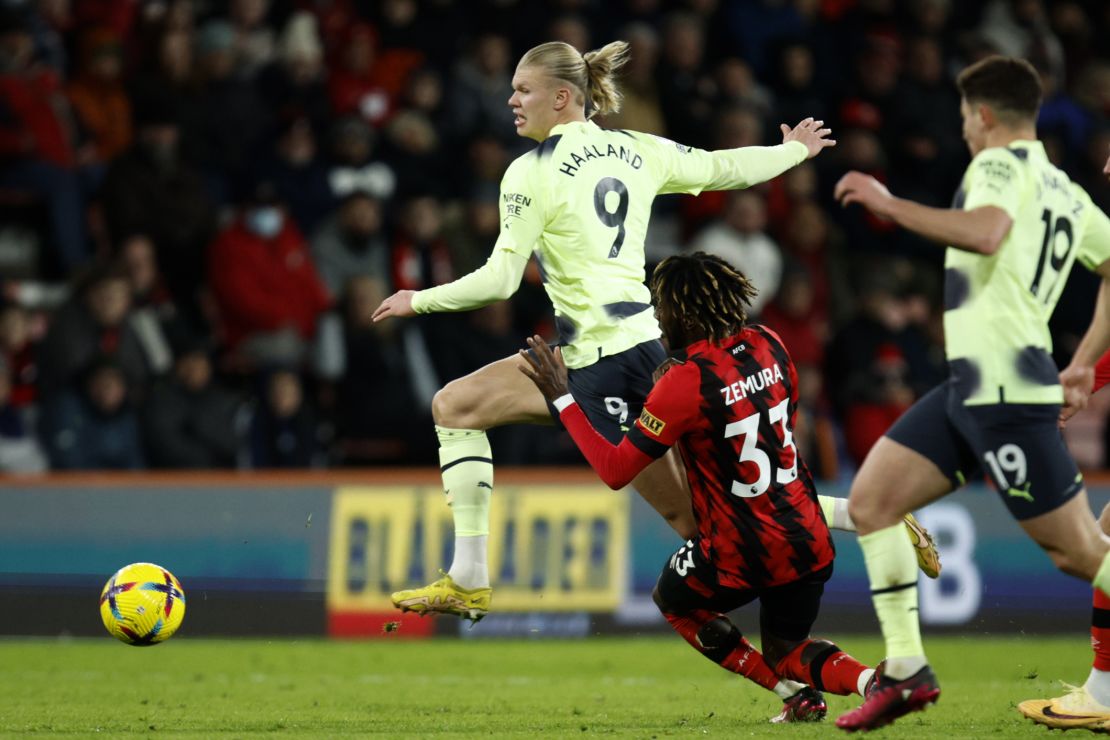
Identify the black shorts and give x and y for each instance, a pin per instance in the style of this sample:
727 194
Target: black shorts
689 581
612 391
1017 446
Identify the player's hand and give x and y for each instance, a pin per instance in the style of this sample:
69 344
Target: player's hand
1078 383
664 366
398 304
856 187
810 133
546 368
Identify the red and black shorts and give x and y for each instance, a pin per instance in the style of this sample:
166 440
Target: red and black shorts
689 581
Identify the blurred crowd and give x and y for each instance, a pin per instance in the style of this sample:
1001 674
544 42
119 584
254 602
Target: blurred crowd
202 203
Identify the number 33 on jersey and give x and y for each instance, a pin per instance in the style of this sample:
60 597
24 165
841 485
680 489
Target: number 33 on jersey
731 409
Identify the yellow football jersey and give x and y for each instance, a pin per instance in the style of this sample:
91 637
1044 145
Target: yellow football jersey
997 306
581 202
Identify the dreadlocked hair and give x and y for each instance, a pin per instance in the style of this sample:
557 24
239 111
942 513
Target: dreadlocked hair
704 294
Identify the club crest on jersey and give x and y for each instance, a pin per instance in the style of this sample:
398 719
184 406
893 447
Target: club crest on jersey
740 389
651 423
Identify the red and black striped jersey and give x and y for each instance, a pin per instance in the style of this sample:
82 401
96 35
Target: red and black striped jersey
730 408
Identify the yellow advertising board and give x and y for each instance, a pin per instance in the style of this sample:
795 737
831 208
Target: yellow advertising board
551 547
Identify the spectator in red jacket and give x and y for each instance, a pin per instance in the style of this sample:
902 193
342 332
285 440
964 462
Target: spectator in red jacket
265 284
37 155
354 85
98 96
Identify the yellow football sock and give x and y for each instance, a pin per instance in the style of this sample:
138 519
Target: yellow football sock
466 465
892 570
1102 577
836 513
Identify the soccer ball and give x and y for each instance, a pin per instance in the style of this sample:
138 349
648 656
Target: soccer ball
142 604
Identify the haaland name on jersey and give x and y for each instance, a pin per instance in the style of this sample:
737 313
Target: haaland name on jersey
740 389
592 151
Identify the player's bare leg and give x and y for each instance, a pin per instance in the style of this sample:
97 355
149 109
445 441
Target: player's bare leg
928 558
663 484
1098 682
1072 538
1091 702
1088 706
463 410
877 507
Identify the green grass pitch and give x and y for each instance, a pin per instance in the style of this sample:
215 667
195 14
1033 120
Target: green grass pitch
633 687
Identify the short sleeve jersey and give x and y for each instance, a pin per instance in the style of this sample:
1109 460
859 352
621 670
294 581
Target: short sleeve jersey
581 202
730 408
997 306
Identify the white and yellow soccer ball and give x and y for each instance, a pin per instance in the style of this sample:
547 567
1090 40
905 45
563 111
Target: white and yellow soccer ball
142 604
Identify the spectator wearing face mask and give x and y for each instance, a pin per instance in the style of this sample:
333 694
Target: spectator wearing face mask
268 293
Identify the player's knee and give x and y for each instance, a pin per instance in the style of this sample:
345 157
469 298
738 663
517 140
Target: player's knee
815 648
864 511
1104 519
660 602
682 522
871 509
718 638
450 407
1075 562
717 633
775 649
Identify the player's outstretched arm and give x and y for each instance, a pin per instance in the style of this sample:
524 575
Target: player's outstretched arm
546 368
399 304
810 133
1078 377
494 281
690 170
981 230
1089 369
617 465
